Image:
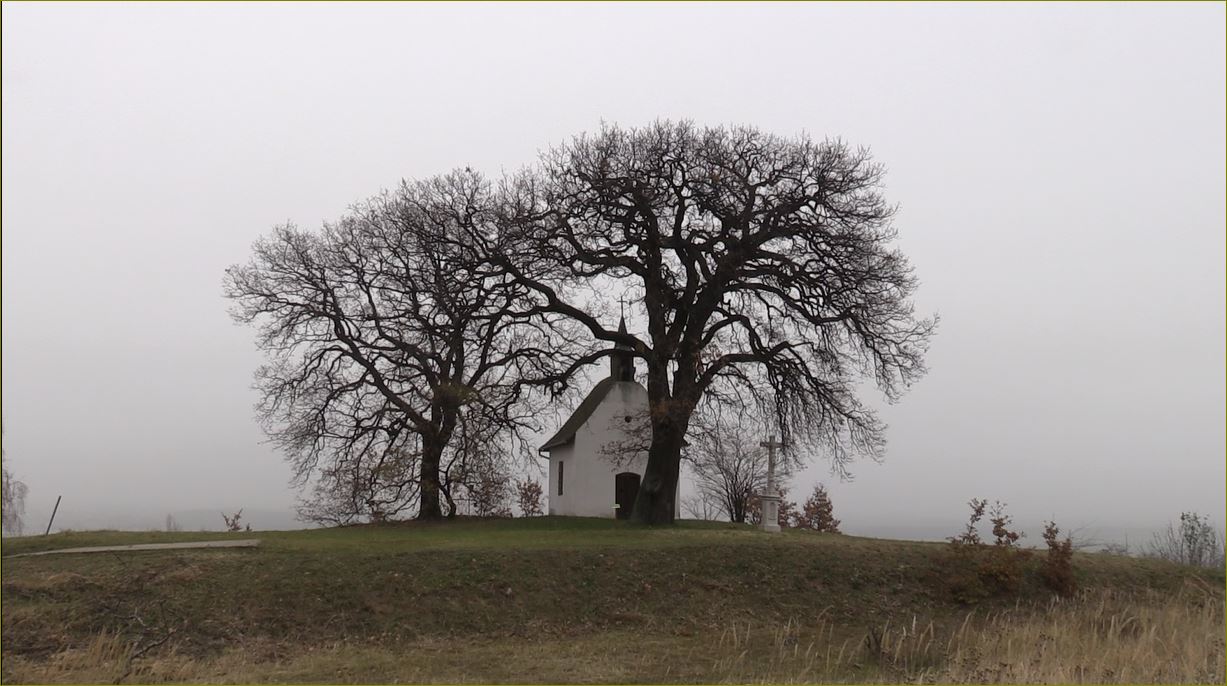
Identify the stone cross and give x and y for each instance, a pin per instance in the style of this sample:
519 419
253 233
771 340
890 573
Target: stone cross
770 500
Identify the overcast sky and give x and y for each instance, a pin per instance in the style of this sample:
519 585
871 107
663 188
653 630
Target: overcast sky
1060 172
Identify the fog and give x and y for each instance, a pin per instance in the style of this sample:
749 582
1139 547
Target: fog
1059 170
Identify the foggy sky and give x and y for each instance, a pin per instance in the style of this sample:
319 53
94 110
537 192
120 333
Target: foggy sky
1059 170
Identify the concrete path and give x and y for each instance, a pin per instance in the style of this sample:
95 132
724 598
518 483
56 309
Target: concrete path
244 543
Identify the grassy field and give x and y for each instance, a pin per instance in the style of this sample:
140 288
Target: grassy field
584 600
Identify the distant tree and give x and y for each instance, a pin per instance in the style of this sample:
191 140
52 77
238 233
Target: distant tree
818 513
385 331
699 506
1193 542
728 464
172 524
764 264
14 500
485 485
350 491
528 493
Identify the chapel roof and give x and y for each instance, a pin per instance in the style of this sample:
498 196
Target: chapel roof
580 416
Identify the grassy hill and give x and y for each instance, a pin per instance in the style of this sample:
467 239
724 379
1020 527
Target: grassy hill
569 600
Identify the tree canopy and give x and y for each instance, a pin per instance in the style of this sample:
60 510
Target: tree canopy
388 345
765 267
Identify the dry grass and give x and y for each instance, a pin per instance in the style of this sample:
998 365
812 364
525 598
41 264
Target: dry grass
1096 637
1106 637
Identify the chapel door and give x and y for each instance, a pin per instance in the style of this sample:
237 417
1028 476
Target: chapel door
626 488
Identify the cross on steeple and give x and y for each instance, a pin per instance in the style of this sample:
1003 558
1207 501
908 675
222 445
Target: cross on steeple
622 362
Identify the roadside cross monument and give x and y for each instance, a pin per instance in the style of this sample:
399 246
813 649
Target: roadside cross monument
771 499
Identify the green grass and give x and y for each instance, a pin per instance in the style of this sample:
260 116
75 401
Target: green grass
370 601
537 533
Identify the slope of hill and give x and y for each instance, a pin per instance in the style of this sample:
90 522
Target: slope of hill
566 600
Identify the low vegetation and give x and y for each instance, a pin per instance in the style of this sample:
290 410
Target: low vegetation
581 600
1193 541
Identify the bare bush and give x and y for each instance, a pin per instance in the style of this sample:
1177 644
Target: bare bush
232 521
1193 542
528 493
14 503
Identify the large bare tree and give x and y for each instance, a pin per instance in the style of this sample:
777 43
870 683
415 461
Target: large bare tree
386 334
762 263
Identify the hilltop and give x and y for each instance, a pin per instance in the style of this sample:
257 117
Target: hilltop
542 599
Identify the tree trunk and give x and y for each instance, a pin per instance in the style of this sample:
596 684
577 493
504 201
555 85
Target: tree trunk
655 503
429 498
738 511
447 496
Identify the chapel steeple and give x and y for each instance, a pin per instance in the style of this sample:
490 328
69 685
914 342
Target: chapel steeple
622 362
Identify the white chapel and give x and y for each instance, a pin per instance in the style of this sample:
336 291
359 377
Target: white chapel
584 480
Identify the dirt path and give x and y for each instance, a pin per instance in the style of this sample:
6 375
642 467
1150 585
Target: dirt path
244 543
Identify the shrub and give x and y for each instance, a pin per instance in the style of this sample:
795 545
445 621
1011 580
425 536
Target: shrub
232 521
1058 571
977 570
528 493
818 513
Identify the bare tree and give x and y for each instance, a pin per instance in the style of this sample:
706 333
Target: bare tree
700 507
763 264
478 476
385 331
354 490
14 501
728 464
